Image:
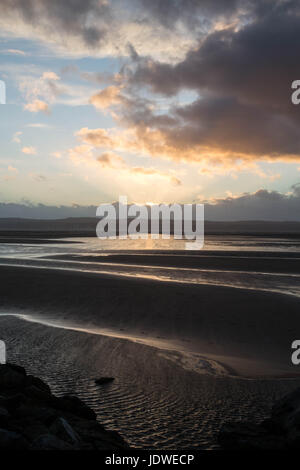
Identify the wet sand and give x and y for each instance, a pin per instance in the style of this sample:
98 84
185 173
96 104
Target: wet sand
272 262
247 333
153 402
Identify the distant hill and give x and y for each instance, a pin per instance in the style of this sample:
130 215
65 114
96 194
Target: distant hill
86 226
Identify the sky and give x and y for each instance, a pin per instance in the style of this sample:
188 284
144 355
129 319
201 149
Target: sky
161 101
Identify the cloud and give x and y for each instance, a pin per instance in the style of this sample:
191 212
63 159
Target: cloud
81 154
242 77
72 18
114 161
191 12
17 137
241 111
37 106
38 177
92 27
17 52
237 57
12 169
29 150
153 172
107 97
260 205
38 125
110 160
40 92
56 154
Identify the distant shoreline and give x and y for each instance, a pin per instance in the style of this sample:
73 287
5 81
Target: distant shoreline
44 234
86 227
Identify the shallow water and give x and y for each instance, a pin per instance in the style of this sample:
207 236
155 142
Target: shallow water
265 250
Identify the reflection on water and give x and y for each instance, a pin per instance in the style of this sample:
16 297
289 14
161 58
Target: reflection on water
94 255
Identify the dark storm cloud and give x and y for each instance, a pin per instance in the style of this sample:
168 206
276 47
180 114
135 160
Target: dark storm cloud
238 127
256 63
243 77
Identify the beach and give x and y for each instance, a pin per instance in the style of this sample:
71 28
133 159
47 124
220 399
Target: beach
186 357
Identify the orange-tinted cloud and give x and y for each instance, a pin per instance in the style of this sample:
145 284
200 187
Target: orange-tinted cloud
29 150
107 97
36 106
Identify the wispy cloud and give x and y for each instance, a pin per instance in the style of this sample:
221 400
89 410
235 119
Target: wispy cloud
16 52
38 125
17 137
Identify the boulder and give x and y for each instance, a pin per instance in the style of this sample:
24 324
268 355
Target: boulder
4 416
280 431
77 407
31 417
286 417
49 442
11 377
10 440
62 429
249 436
38 384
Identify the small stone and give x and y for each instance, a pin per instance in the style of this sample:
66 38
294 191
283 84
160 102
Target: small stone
104 380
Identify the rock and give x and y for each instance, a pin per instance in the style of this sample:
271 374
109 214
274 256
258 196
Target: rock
249 436
34 431
16 368
104 380
63 430
12 441
280 431
35 392
286 416
76 406
11 376
12 401
38 383
29 412
4 416
50 442
32 418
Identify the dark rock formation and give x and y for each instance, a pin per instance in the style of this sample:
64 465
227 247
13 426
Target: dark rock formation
31 418
279 432
104 380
